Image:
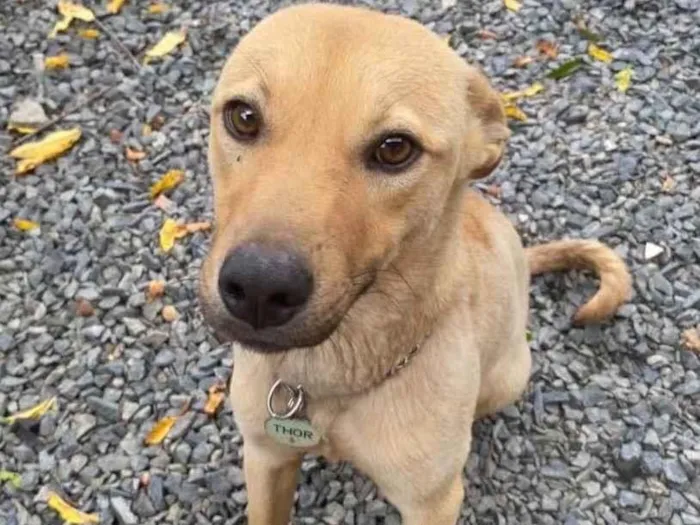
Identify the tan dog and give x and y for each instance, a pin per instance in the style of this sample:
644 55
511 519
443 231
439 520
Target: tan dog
348 245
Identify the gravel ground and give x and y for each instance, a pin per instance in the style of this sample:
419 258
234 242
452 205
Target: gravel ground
608 432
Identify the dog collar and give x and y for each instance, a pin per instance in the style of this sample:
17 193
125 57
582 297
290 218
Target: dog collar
292 427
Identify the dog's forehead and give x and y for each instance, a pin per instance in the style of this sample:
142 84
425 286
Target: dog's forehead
349 49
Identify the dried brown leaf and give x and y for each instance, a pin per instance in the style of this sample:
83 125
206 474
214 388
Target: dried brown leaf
547 48
134 155
84 308
154 290
691 339
169 313
215 396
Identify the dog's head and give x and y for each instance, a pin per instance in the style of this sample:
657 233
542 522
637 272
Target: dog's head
337 137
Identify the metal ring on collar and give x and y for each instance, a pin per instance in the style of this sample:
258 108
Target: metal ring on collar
296 400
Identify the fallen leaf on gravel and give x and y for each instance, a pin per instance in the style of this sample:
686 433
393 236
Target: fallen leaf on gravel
70 12
73 10
144 480
547 48
11 477
146 130
134 155
623 79
599 53
154 290
197 226
167 182
166 44
32 154
530 91
170 231
514 112
566 69
158 8
163 203
513 5
157 122
528 336
691 339
22 130
215 396
114 6
160 430
523 61
90 34
25 225
83 308
668 184
57 62
34 412
115 136
169 313
486 34
68 513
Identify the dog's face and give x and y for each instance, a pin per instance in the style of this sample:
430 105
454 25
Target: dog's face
337 137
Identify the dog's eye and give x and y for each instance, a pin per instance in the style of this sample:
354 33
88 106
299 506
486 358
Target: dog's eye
241 120
395 152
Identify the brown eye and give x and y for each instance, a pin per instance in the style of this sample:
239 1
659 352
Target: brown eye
395 152
241 120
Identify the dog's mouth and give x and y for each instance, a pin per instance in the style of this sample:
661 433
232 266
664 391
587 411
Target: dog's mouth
311 327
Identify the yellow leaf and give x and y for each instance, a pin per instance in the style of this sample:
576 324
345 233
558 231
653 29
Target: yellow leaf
71 10
25 225
154 290
68 513
166 44
90 34
24 130
668 184
34 412
599 53
114 6
160 430
158 8
53 145
146 130
168 233
215 396
57 62
61 25
515 112
623 79
167 182
11 477
513 5
530 91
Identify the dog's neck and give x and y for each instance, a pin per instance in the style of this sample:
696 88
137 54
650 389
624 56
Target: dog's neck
393 316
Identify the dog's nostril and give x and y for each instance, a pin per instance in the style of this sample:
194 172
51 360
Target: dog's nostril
235 291
281 299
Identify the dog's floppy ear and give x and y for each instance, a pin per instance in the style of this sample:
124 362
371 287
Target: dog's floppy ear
487 108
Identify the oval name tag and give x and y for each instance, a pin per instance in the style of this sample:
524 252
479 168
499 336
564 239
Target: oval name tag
292 432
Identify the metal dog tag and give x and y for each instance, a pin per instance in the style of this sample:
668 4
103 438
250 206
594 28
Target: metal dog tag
292 432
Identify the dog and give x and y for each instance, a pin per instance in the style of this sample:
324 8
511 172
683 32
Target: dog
377 304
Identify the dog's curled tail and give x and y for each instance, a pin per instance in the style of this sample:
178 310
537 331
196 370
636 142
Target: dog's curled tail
615 281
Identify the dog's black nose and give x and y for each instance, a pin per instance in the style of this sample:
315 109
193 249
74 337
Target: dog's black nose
264 286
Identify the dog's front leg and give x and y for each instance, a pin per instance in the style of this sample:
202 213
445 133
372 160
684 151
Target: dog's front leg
271 479
442 507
